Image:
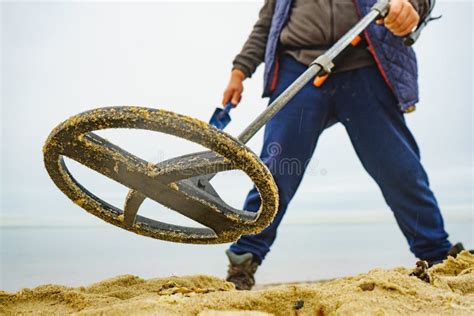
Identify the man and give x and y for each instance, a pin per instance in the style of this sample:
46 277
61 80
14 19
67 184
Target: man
368 92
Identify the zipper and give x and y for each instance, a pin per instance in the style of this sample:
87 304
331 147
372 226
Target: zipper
331 35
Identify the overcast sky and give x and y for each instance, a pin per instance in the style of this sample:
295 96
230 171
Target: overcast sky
59 59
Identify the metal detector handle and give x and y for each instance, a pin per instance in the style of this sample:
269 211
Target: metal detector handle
411 38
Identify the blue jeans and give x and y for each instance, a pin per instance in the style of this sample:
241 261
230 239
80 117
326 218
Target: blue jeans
361 100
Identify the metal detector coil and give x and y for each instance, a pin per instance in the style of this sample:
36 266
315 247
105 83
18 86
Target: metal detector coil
173 183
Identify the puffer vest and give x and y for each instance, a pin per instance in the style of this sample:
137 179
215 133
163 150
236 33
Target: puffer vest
395 61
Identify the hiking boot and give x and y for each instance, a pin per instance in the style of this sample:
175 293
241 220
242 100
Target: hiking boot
241 270
456 249
452 252
421 270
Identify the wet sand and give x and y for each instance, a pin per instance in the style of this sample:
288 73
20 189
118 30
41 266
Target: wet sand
380 292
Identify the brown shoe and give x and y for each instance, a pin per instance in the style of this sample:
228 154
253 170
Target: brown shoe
241 270
456 249
421 270
452 252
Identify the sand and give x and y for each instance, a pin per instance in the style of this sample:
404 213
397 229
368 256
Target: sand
378 292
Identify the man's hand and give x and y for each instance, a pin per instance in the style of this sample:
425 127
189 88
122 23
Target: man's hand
233 92
401 18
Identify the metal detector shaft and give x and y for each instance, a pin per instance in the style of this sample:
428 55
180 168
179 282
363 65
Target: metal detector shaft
322 63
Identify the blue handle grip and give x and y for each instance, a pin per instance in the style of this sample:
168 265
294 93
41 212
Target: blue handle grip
228 107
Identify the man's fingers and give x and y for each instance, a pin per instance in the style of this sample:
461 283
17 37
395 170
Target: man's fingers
227 95
400 18
393 12
407 27
236 97
233 92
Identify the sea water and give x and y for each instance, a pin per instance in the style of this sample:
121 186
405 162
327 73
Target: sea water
31 256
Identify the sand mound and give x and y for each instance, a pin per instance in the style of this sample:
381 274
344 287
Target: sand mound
379 291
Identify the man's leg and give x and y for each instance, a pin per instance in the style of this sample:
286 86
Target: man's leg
289 141
388 151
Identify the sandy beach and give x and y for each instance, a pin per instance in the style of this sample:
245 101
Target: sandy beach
380 292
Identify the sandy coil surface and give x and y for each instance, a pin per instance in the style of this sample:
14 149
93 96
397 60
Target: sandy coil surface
378 292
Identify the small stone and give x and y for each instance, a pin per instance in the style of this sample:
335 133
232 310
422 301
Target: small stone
421 271
298 304
369 286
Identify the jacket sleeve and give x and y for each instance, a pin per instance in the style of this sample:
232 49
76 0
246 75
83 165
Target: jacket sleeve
253 51
421 6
